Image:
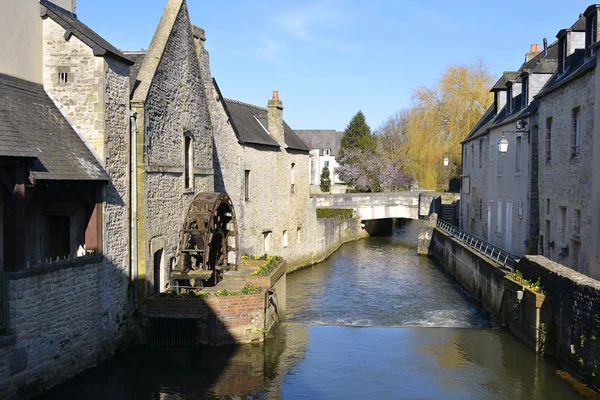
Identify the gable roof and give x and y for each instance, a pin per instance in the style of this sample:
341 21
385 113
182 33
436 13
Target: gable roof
71 24
26 111
251 125
322 139
138 58
151 60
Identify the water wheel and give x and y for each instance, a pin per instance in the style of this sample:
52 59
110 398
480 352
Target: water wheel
208 243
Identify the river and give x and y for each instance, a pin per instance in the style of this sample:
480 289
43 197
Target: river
374 321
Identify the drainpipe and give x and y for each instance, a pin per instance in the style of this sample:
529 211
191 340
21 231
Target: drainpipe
134 231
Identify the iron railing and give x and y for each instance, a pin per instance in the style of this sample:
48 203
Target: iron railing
4 326
501 256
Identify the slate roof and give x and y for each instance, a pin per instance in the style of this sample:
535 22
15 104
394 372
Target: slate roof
541 63
26 111
250 123
70 23
138 58
321 139
577 66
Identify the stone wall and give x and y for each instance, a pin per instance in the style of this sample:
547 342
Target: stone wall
574 336
565 195
64 318
81 98
330 234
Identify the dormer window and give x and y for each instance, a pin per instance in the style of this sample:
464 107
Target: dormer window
509 99
525 91
327 152
594 34
562 61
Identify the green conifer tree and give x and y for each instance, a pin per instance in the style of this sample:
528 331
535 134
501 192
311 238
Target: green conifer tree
357 136
325 180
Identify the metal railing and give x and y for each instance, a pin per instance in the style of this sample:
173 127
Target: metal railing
4 327
501 256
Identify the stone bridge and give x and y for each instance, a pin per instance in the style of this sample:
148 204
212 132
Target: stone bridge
370 206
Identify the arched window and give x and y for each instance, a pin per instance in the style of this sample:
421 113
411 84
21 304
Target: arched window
188 159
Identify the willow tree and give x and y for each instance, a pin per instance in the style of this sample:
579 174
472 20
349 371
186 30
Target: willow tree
441 117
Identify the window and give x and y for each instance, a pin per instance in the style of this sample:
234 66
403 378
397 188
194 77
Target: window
576 255
326 164
518 155
593 34
577 224
466 184
299 234
247 185
492 151
576 133
188 161
267 241
549 139
465 157
293 177
63 77
327 152
548 241
563 224
541 245
509 99
499 216
58 239
284 241
520 210
525 92
562 62
480 153
499 161
472 155
480 209
547 206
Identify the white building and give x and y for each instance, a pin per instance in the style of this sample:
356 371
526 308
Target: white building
324 145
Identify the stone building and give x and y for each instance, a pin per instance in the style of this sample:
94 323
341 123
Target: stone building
173 144
568 146
499 190
324 146
64 250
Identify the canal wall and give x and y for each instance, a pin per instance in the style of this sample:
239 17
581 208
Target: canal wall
65 317
330 234
573 335
562 322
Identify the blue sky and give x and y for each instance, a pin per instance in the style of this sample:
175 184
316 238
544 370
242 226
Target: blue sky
331 58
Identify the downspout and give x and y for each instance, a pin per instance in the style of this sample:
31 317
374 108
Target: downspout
134 225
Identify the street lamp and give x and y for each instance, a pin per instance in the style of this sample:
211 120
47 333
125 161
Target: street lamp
446 161
503 142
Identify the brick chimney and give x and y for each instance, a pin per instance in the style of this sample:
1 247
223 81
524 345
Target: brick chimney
275 118
534 50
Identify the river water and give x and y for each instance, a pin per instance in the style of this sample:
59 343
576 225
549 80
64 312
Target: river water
374 321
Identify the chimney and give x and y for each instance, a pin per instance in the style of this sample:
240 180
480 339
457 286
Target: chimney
275 118
534 50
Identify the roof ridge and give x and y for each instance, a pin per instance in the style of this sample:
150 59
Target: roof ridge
246 104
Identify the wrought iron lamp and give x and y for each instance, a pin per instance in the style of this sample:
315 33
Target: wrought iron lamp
503 142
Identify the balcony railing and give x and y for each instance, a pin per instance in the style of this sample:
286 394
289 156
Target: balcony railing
501 256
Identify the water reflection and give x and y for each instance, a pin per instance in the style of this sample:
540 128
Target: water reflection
319 353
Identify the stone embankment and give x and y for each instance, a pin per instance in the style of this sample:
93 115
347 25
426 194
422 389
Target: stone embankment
331 233
560 319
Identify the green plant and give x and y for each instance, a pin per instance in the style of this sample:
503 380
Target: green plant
246 290
325 180
192 294
536 286
343 213
266 268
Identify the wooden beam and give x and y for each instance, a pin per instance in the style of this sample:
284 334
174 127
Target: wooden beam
93 232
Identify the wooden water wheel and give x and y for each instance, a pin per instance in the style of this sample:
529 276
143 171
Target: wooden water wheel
208 242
